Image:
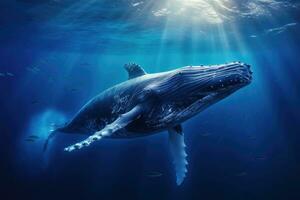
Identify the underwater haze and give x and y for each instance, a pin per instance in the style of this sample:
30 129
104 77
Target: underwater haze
55 55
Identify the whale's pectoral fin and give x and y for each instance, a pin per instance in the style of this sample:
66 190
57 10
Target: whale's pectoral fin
179 155
109 129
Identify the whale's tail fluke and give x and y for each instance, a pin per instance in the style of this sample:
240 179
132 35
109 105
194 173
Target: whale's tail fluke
52 134
46 125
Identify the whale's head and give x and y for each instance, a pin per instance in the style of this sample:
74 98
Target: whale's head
201 86
218 80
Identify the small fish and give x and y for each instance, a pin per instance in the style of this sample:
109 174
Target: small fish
33 69
260 157
74 89
1 74
51 79
54 125
154 174
29 140
33 137
137 3
9 74
205 134
252 137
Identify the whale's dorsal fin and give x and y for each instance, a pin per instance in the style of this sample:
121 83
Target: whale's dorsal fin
134 70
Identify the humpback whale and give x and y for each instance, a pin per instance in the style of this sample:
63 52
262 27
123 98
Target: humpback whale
146 104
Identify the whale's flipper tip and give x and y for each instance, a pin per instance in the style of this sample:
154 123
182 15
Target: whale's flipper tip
179 155
179 180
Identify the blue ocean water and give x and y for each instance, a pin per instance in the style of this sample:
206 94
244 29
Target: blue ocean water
55 55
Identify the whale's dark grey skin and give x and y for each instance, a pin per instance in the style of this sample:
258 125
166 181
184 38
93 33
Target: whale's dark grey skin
151 103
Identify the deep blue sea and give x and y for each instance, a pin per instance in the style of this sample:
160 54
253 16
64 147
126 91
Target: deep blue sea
55 55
